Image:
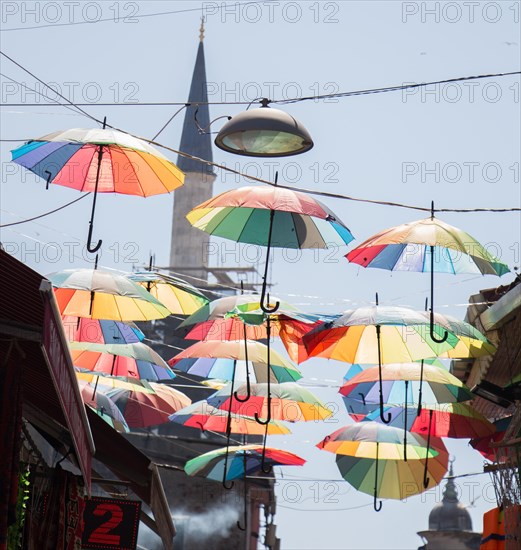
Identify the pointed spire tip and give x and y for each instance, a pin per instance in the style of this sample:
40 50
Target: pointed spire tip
201 30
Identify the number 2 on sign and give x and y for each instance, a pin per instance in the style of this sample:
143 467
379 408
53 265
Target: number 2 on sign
101 535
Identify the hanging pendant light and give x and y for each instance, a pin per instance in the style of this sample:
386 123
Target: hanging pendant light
264 132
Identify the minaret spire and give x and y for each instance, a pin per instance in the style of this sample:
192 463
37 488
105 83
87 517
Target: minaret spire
201 30
189 248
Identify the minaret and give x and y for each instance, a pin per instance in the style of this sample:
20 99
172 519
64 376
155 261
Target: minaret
189 246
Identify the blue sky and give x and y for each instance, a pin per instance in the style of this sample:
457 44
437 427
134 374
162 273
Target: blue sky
455 144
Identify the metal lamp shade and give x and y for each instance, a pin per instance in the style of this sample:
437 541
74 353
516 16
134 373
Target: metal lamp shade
264 132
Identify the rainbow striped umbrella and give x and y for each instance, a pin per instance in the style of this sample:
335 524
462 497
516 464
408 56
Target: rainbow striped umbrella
205 417
99 294
238 360
289 402
99 161
133 360
242 461
101 331
369 457
179 297
243 215
428 245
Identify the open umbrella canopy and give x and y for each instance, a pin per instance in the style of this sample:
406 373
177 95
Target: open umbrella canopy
101 331
178 296
204 416
133 360
401 384
406 247
484 444
397 479
353 338
243 215
457 420
142 410
240 316
128 165
214 359
242 460
99 294
103 405
289 402
107 382
359 441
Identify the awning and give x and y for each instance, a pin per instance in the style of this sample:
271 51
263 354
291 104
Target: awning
33 340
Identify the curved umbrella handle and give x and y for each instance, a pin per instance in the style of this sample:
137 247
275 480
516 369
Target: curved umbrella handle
432 333
383 418
248 387
240 526
268 417
268 361
377 505
228 487
269 469
266 307
90 248
425 477
49 176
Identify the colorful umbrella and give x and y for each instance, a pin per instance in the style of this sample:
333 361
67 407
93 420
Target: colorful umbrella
231 317
99 294
107 382
242 461
243 215
179 297
367 444
456 420
104 406
378 335
227 360
289 402
99 161
204 416
100 331
483 444
133 360
427 245
401 381
142 410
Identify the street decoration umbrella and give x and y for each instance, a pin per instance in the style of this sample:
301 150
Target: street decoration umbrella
362 447
142 410
206 417
378 335
237 462
133 360
240 461
427 245
101 331
455 420
227 360
239 316
179 297
270 216
103 405
108 382
100 294
484 444
99 161
289 401
396 386
242 317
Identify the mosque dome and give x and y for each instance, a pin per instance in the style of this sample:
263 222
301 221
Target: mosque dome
450 514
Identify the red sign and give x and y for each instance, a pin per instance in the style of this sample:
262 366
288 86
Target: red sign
61 369
110 523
